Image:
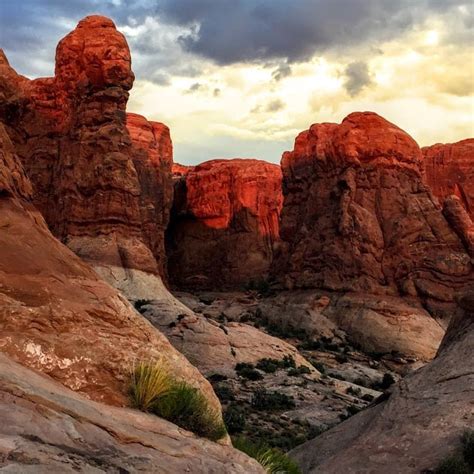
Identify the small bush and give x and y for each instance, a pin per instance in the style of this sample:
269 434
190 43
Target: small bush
301 370
224 393
268 365
247 371
355 392
273 461
319 366
271 401
234 419
152 389
341 358
187 407
454 464
468 447
149 382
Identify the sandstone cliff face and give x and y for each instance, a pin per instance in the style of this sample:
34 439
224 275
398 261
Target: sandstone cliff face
419 425
224 223
89 180
357 216
449 169
152 154
57 316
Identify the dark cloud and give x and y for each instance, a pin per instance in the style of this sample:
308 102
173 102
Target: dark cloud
195 87
357 77
250 30
273 105
216 92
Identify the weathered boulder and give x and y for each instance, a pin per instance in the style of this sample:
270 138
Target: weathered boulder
224 223
47 428
421 422
358 217
449 169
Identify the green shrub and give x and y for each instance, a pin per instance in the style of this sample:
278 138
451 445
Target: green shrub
234 419
247 371
224 393
301 370
273 461
187 407
468 447
271 401
152 389
319 366
149 382
454 464
268 365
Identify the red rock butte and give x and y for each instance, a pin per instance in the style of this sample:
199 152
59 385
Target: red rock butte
225 222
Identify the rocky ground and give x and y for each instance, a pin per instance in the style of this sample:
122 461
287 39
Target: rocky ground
280 402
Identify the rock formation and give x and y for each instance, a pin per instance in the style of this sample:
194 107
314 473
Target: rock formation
57 316
357 217
48 428
449 169
224 223
420 423
107 198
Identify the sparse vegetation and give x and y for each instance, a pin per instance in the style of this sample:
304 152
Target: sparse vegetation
247 371
271 401
461 461
385 383
273 460
234 419
153 389
468 447
301 370
272 365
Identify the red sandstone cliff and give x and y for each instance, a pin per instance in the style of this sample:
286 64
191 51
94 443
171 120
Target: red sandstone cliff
224 223
449 169
104 196
357 216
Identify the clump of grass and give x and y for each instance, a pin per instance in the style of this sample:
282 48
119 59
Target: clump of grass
187 407
152 389
149 382
272 460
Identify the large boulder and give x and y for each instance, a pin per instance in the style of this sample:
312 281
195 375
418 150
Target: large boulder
224 223
357 216
421 422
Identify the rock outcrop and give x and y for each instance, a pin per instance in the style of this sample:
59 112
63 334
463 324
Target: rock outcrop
357 217
107 198
419 425
57 316
48 428
224 223
449 169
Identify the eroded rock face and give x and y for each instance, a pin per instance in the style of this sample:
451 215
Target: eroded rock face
224 223
90 182
449 169
419 425
57 316
358 217
48 428
152 153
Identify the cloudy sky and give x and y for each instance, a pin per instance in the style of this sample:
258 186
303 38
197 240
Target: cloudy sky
243 77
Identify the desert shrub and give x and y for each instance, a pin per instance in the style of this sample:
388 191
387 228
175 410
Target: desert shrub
319 366
213 378
385 383
152 389
268 365
368 397
273 461
311 345
224 393
453 464
234 419
188 408
138 304
356 392
247 371
301 370
337 376
271 401
149 382
468 447
341 358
